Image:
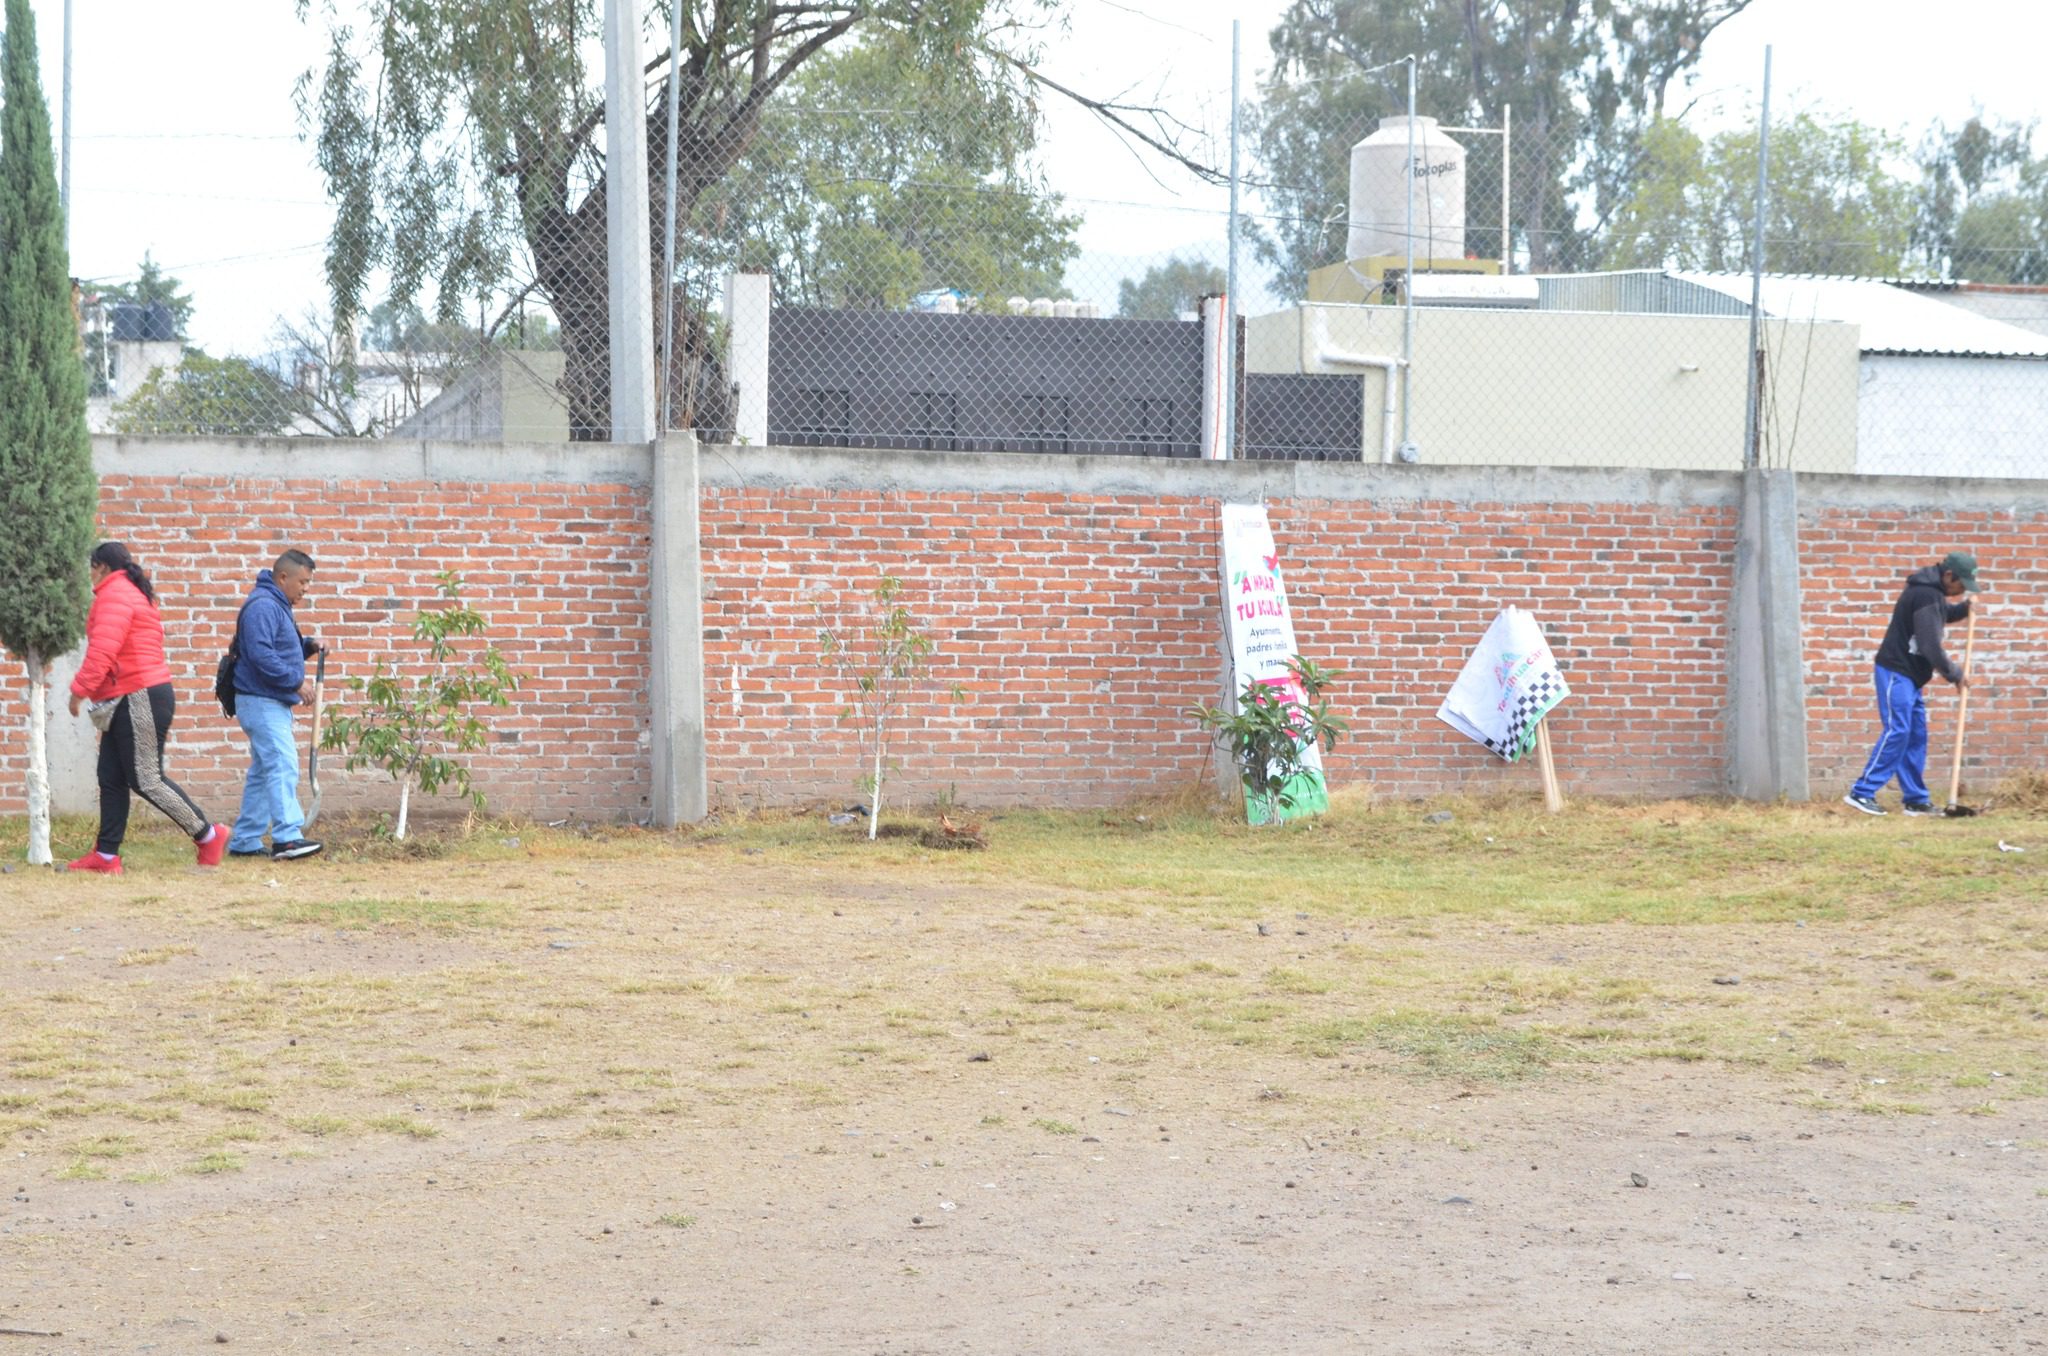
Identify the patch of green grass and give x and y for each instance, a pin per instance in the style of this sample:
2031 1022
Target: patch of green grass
107 1146
1442 1046
1296 982
674 1221
403 1125
439 914
156 955
1055 1127
215 1163
82 1170
319 1126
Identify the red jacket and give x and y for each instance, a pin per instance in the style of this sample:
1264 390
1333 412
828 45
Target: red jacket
124 643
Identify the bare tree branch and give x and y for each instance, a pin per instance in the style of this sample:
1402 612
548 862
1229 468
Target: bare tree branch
1115 115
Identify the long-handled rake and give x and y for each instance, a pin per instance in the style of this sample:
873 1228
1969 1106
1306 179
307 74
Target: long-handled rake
313 752
1955 809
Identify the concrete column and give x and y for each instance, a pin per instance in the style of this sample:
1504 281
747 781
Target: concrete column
1767 692
681 787
630 253
747 312
1215 383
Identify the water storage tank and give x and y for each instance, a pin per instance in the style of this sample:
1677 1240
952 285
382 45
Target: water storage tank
1379 193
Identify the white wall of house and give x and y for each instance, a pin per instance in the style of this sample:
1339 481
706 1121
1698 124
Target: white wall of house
1952 416
1572 388
132 362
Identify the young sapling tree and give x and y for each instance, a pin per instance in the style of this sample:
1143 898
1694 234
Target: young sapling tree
1270 733
415 726
882 658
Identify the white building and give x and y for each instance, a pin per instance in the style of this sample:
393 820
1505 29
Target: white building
1942 391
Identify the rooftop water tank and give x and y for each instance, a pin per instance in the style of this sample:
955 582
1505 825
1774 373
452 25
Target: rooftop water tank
1379 193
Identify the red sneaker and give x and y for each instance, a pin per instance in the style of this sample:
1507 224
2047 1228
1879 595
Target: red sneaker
92 861
210 851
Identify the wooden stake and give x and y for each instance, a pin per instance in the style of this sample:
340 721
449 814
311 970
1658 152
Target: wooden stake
1955 772
1553 795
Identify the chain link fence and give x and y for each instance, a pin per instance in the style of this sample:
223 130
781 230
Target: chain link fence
877 256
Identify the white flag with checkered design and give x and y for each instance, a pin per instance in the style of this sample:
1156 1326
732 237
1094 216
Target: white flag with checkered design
1510 682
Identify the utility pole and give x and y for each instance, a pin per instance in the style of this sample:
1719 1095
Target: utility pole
1407 451
1227 442
668 217
64 175
629 253
1752 450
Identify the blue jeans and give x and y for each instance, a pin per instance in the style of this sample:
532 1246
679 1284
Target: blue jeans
270 797
1902 749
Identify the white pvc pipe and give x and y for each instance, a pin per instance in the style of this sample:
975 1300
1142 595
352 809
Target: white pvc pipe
1387 367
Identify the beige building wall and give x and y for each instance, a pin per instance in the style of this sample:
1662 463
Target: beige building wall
508 396
1563 388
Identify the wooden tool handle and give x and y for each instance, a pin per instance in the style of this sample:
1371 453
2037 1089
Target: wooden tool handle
319 705
1955 772
1553 794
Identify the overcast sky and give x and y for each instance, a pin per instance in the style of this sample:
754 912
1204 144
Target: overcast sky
185 134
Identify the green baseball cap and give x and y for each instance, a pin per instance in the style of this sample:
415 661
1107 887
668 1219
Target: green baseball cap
1963 566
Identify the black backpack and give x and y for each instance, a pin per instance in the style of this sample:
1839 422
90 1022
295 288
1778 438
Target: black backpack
224 672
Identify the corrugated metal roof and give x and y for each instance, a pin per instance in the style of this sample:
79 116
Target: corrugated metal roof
1892 319
1637 291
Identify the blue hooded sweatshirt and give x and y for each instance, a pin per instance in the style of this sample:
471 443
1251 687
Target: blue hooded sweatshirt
273 662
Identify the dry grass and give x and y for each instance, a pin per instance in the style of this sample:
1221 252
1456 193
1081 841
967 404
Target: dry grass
2024 793
610 985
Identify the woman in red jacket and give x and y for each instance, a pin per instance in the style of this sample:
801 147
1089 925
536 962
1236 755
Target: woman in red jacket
124 675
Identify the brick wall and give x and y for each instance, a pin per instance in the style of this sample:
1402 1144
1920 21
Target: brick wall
1082 629
556 566
1854 557
1074 601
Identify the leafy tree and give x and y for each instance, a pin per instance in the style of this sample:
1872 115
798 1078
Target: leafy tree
415 728
1169 290
459 141
48 492
218 397
879 176
153 286
1834 205
2003 237
1586 80
1270 734
1983 204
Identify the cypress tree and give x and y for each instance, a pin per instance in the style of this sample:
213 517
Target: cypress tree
48 493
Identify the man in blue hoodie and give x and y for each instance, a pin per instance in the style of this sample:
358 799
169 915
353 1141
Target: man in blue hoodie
1912 654
270 679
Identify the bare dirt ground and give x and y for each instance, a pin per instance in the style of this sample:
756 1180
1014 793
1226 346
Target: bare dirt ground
731 1097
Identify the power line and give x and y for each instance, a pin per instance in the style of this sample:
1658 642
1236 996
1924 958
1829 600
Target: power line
185 136
200 197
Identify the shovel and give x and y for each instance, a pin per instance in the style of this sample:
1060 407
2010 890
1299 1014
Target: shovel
313 753
1955 808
